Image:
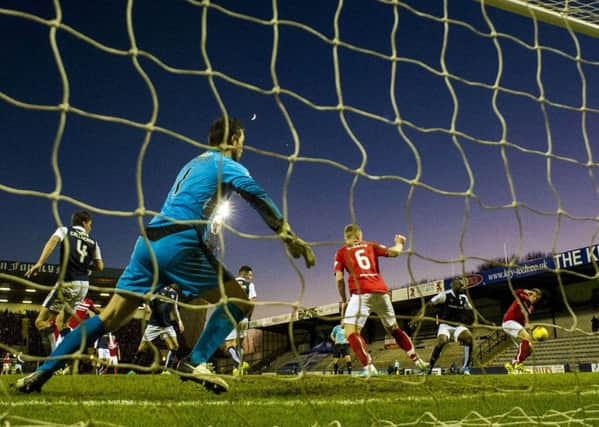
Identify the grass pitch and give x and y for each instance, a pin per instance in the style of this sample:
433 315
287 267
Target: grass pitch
163 400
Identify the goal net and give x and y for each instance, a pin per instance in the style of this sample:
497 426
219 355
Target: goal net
469 127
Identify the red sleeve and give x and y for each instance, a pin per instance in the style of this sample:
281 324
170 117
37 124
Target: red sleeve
380 250
339 265
520 293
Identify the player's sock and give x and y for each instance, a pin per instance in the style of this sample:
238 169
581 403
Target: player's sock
467 356
235 356
217 328
349 368
93 328
435 355
360 348
523 351
169 358
404 342
335 368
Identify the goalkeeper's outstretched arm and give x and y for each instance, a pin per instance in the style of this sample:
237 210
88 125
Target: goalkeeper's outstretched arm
249 189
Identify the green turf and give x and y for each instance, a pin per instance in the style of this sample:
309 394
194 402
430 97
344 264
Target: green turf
161 400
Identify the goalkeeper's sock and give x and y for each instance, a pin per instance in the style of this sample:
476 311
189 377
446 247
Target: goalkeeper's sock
349 368
88 332
405 343
235 356
335 368
523 351
217 328
360 348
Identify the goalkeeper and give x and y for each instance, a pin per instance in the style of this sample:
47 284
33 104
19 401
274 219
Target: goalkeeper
182 257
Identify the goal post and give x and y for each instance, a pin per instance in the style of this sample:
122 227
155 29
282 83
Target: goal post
581 16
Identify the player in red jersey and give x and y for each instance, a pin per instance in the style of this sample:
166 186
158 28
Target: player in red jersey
81 313
5 364
515 322
368 293
115 354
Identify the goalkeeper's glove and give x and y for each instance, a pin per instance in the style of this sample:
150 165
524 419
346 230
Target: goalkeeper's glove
296 246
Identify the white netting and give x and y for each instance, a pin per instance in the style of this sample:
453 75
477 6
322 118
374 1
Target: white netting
471 129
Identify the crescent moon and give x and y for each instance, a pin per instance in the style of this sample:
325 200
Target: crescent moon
253 117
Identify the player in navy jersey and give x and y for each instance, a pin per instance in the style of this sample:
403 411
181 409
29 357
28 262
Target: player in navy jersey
163 318
368 293
455 312
234 341
174 242
82 254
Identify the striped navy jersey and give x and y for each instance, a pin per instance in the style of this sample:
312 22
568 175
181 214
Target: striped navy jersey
453 308
163 311
81 253
247 286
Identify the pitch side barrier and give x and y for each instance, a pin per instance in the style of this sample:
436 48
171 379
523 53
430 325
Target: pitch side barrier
569 260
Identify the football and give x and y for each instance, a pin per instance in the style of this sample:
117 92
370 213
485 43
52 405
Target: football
540 333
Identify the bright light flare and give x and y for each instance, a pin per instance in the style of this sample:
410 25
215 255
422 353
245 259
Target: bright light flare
223 211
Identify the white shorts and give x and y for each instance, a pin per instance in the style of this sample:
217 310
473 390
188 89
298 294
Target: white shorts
512 328
360 306
103 353
72 294
240 330
451 332
152 332
113 360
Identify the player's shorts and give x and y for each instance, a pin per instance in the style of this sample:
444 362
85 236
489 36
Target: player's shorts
451 332
240 330
113 361
182 258
104 354
360 306
152 332
72 294
340 350
512 328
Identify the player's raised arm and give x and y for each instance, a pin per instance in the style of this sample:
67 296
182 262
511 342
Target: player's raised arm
249 189
46 252
397 249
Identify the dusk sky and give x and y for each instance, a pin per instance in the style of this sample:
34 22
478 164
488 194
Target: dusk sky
416 171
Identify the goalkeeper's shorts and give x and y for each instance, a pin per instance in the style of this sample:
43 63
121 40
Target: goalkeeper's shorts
182 258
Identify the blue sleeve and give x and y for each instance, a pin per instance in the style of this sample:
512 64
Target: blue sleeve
240 180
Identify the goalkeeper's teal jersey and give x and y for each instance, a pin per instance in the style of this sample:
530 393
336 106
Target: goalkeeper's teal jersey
195 191
180 257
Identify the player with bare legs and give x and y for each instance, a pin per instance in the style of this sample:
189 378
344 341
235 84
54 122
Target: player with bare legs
173 245
514 324
368 293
